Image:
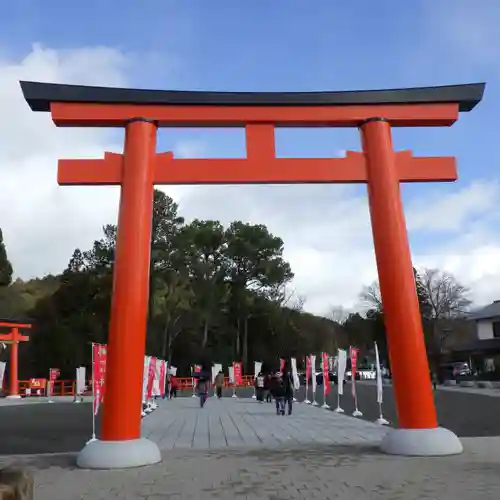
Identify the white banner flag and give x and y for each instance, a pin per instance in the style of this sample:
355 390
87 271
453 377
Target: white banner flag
80 380
231 374
257 366
313 373
3 364
296 380
341 366
380 390
215 370
173 371
145 378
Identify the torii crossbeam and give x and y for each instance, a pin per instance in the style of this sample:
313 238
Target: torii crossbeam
374 113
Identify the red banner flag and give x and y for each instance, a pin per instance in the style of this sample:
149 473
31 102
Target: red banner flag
53 376
238 375
98 374
353 354
282 364
151 377
162 378
326 378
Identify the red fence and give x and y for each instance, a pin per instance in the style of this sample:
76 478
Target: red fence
68 387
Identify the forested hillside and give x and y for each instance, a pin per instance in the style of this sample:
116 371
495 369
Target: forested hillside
216 293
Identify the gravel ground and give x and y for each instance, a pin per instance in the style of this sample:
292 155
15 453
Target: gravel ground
59 428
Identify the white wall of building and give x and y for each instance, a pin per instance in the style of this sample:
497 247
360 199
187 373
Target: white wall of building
484 329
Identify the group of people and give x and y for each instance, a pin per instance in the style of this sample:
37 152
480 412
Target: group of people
277 385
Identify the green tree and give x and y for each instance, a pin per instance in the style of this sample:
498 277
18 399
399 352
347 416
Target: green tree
165 227
202 247
255 265
5 265
210 288
172 306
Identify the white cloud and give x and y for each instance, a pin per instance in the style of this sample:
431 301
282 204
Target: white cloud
42 222
326 229
328 239
453 212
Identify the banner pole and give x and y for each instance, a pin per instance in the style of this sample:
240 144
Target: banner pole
381 420
356 412
326 379
254 396
339 408
49 388
325 404
308 373
93 438
380 390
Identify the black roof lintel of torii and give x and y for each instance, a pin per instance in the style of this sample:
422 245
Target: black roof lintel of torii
40 95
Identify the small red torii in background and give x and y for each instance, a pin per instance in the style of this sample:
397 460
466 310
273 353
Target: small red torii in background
13 338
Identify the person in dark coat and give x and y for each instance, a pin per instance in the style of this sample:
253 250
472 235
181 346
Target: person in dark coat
267 387
277 391
288 385
203 378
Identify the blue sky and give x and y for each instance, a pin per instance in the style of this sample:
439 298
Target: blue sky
279 45
289 45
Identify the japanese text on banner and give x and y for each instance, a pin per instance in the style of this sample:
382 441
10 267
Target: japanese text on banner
326 378
238 376
99 374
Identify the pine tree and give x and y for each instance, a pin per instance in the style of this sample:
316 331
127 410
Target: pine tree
5 266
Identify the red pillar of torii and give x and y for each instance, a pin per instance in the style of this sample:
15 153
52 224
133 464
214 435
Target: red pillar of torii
139 168
13 338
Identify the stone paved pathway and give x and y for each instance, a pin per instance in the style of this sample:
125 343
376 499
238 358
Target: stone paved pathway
287 467
244 423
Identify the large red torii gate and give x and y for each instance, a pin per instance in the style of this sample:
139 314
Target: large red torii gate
141 112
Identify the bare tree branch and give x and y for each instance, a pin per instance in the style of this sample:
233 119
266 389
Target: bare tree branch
298 303
338 314
370 296
286 297
447 297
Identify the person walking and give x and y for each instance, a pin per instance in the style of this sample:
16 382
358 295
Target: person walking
202 382
267 387
169 386
277 391
259 387
288 385
219 384
174 385
434 379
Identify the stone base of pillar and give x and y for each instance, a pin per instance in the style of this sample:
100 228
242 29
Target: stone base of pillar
421 442
13 396
118 454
